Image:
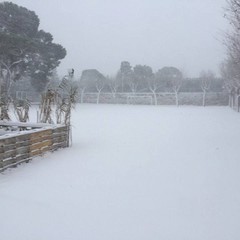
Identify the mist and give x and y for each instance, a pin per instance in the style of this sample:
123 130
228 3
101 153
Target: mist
100 34
135 135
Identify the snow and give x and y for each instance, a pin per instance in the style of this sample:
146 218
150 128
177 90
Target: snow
37 127
133 173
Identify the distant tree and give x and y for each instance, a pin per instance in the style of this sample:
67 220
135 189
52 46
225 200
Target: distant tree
164 84
194 85
24 49
153 86
100 84
133 84
92 80
206 79
172 77
217 84
176 85
125 75
113 85
191 85
142 75
89 78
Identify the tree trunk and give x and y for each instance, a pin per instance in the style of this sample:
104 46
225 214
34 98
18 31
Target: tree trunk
155 98
176 96
98 97
204 99
114 97
154 95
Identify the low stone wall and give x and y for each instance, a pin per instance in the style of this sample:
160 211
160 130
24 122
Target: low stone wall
22 146
185 98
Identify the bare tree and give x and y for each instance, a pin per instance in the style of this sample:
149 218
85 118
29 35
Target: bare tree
171 79
206 78
113 86
176 85
231 67
99 86
153 87
92 80
229 73
133 85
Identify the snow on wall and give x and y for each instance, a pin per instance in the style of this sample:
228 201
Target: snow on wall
22 146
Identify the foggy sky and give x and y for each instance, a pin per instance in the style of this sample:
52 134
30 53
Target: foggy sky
101 33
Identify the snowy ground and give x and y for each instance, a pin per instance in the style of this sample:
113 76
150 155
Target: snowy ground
133 173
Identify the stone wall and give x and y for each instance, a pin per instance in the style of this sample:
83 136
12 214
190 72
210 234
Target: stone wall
22 146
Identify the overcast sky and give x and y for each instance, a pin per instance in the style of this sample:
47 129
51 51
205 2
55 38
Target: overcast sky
101 33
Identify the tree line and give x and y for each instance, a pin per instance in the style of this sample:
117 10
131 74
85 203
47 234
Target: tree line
141 78
27 52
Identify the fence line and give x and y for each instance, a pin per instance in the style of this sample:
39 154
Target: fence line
162 98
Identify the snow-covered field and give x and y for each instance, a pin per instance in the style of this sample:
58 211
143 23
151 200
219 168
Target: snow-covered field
133 173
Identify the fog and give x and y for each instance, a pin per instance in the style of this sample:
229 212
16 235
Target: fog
100 34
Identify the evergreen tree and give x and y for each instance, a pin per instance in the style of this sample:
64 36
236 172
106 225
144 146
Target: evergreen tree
24 49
